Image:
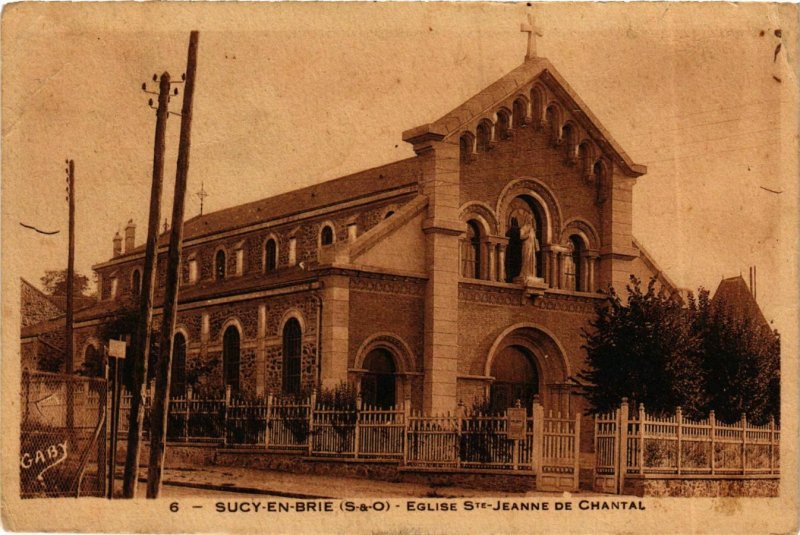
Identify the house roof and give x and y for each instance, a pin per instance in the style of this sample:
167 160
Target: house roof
733 294
491 97
347 188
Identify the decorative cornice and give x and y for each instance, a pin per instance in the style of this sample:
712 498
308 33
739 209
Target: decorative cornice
389 285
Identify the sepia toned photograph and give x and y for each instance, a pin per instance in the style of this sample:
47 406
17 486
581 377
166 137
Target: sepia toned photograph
400 267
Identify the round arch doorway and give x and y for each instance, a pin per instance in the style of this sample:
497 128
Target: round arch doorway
516 378
379 379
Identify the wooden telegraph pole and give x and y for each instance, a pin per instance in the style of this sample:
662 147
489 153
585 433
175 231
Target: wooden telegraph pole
69 359
141 346
158 414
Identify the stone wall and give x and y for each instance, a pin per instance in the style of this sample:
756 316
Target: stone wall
752 487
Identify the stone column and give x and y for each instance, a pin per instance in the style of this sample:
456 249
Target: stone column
335 335
491 261
501 261
261 351
439 181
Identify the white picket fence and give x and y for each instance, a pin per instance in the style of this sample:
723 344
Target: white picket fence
548 444
640 445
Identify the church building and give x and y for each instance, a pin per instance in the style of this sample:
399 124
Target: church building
463 273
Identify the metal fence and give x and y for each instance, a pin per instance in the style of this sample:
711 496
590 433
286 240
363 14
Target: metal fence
640 444
62 435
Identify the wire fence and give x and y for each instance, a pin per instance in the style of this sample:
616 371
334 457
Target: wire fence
62 435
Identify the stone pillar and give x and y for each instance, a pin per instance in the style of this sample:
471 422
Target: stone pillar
440 183
491 261
501 261
588 258
335 335
617 250
261 351
554 277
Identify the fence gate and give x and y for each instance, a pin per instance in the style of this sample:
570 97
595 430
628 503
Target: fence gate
62 435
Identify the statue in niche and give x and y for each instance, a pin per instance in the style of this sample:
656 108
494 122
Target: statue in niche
530 246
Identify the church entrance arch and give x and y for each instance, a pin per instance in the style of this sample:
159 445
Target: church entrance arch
379 380
515 378
526 360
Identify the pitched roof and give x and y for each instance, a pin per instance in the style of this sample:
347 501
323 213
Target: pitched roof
506 87
734 294
347 188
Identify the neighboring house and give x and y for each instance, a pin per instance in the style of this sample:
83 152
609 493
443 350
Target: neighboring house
734 295
36 305
419 279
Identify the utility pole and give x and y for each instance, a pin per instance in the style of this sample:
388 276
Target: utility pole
160 408
69 360
141 345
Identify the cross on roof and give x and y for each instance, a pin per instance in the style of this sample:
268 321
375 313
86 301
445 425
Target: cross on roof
532 31
202 194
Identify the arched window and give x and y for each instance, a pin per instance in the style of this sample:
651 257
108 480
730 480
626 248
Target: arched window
292 351
326 236
471 252
568 134
231 358
515 378
177 385
523 210
378 384
503 123
484 136
600 178
520 111
537 105
465 144
552 118
585 159
271 255
219 265
577 248
136 283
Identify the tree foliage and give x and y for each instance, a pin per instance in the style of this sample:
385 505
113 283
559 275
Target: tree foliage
654 350
55 283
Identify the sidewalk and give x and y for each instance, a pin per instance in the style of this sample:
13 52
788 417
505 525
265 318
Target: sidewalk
307 486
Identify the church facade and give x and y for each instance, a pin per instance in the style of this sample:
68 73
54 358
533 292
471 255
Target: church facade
463 273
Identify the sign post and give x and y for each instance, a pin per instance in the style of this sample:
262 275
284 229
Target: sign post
516 420
116 350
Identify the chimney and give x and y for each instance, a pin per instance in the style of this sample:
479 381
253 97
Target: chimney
117 244
130 235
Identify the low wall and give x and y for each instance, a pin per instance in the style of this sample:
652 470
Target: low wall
698 486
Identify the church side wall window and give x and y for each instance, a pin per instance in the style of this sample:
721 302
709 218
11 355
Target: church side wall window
177 386
219 265
136 283
239 261
192 270
114 284
271 255
292 349
231 358
326 235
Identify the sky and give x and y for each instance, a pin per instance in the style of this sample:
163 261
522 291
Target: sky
292 95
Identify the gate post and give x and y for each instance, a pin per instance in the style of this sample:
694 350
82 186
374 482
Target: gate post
577 453
538 438
622 460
